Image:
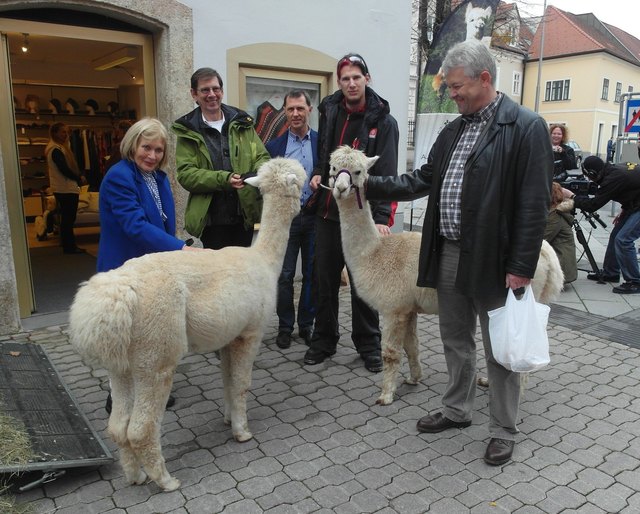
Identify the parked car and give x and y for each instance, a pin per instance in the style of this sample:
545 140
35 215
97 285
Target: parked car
577 150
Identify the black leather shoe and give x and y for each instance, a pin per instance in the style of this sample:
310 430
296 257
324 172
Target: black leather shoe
109 405
372 361
315 356
606 278
438 422
305 334
499 451
283 340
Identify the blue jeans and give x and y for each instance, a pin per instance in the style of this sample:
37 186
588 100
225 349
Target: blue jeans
621 250
301 239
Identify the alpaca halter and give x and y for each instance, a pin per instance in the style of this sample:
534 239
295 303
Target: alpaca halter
357 189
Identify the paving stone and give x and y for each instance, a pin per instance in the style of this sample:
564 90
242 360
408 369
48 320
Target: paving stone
330 496
566 497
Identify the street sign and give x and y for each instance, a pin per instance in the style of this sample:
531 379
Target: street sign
632 120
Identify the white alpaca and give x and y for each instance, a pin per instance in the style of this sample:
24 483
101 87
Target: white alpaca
137 321
475 19
385 270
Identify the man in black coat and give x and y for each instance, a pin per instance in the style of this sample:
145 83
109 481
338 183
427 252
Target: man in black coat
356 116
488 177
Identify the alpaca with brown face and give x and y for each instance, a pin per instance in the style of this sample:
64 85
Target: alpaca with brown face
385 270
139 320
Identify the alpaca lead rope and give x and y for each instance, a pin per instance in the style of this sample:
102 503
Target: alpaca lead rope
352 186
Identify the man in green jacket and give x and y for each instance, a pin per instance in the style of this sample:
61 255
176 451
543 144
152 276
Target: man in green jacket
217 146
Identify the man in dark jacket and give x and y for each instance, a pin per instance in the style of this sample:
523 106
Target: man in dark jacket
355 116
488 177
299 142
620 183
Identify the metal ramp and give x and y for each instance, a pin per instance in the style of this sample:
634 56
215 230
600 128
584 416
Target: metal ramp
32 392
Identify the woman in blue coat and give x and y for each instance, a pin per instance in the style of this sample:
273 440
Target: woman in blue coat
137 211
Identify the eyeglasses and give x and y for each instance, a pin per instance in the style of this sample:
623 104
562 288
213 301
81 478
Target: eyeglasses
353 59
207 90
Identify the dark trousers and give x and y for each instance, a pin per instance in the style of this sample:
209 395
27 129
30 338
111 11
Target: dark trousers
68 209
219 236
329 262
301 240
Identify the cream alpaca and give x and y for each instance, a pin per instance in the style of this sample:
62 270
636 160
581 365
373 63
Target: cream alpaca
137 321
385 270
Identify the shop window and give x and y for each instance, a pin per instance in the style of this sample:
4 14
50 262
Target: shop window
265 97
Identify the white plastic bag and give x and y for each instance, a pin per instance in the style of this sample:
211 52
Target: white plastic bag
518 333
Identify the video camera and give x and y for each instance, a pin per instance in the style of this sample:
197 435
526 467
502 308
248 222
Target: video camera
578 184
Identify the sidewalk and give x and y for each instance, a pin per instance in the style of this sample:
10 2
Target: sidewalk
322 445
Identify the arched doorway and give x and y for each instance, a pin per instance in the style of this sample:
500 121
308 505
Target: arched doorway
114 25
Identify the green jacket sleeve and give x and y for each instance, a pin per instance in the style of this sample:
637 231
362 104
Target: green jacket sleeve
194 167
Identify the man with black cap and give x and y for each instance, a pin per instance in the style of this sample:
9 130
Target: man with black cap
620 183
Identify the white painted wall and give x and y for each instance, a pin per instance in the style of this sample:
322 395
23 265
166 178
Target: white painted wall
377 29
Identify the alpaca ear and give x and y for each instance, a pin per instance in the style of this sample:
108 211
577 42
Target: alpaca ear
253 181
291 179
371 161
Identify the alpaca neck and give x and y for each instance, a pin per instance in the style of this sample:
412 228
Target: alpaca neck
271 242
360 236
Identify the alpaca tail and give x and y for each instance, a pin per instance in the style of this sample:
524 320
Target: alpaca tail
101 319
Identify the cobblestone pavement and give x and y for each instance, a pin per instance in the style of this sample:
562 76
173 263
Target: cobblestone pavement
322 445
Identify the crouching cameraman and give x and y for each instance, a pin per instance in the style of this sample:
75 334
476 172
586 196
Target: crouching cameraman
620 183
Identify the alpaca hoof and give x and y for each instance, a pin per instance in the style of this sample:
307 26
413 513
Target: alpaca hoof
243 437
170 485
384 399
138 478
483 381
411 381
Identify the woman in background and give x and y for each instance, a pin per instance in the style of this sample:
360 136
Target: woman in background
563 155
65 179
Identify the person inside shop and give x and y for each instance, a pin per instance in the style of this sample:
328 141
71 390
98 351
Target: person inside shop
299 142
357 116
482 232
563 155
217 146
137 210
618 183
65 179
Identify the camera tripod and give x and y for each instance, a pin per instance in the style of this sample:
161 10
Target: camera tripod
590 217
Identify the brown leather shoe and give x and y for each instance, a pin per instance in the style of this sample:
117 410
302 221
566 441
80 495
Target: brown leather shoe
434 423
499 451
